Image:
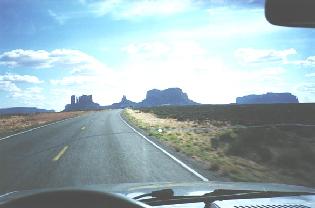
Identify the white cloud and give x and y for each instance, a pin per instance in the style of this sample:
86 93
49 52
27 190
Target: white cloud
220 30
75 60
136 9
30 92
20 78
31 96
267 56
125 9
153 8
170 50
238 2
306 88
261 56
74 80
265 74
308 62
35 90
149 49
222 23
60 18
9 86
27 58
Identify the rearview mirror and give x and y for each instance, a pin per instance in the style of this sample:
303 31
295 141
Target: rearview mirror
291 13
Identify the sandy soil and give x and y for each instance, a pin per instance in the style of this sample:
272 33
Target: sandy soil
15 123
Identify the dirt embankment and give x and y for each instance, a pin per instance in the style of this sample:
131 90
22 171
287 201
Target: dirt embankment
268 153
14 123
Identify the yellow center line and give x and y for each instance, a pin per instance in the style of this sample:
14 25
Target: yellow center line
59 155
82 128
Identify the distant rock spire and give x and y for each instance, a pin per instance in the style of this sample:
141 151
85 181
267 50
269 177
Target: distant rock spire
123 99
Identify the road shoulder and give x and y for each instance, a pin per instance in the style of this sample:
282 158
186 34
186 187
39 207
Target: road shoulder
190 162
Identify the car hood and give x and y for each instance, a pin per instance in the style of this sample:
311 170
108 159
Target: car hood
181 189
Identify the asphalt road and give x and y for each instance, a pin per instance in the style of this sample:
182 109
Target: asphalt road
97 148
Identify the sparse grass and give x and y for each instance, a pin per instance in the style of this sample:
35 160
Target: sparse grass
14 123
219 115
241 153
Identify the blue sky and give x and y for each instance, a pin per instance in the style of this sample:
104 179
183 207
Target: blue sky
215 50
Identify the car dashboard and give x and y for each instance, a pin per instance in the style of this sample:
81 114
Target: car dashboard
278 202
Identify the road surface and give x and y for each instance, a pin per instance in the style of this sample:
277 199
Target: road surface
97 148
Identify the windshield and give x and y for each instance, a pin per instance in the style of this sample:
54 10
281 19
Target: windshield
117 91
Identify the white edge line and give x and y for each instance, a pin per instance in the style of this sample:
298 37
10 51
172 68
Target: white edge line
39 127
6 194
167 153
